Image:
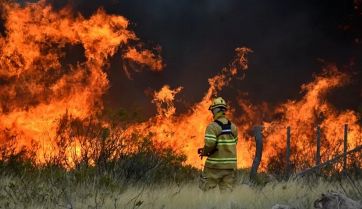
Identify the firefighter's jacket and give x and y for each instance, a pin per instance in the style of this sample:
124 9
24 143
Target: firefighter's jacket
220 145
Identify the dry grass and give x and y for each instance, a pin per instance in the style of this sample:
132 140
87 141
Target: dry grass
16 193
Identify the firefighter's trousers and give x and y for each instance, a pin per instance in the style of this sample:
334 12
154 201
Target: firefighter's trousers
211 177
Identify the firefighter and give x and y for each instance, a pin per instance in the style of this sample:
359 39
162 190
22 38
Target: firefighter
220 149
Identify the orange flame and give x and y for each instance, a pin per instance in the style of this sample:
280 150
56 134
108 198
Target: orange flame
38 88
303 117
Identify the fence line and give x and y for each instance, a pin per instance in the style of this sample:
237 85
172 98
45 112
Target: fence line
259 150
328 162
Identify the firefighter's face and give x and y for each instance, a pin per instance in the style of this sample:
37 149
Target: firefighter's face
215 110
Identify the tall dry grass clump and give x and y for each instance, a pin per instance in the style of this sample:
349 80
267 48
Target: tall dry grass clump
60 191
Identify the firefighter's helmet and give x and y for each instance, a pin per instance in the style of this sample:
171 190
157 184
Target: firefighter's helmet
218 102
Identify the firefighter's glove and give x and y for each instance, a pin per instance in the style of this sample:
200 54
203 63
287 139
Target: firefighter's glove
200 151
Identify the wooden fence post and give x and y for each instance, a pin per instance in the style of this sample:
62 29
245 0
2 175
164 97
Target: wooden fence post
318 153
345 147
288 153
258 151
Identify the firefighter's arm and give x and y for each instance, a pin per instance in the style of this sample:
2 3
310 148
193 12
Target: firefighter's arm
210 140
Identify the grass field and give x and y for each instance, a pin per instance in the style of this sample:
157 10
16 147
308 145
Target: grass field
63 192
153 180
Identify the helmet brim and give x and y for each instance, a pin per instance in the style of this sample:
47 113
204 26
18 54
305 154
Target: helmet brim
216 106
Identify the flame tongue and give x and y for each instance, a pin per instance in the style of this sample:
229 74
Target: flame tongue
37 88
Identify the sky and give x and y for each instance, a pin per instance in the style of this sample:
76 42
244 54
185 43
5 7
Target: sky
291 40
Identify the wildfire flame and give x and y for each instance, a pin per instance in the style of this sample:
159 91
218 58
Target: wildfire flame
305 115
38 87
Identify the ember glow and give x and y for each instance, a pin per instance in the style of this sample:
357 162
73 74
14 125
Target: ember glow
39 87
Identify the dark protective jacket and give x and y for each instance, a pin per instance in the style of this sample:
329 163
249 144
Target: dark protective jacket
220 145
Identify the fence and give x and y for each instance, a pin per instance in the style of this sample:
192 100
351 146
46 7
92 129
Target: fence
259 151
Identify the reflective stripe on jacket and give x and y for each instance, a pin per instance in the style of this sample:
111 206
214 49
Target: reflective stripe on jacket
221 149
